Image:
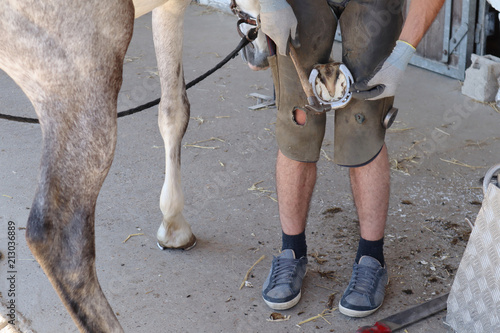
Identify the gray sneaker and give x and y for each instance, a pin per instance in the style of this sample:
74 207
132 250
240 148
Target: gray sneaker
281 291
366 290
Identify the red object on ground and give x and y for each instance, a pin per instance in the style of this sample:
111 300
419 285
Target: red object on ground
378 328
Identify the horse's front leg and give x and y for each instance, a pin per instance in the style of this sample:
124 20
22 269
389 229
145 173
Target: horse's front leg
173 117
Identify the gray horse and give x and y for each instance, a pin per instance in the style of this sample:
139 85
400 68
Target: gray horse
67 56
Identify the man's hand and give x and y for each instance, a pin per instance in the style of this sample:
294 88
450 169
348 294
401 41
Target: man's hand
279 23
387 76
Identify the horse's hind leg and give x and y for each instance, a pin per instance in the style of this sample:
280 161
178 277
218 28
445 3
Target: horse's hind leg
69 60
173 117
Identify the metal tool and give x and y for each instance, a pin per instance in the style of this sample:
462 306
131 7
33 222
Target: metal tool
407 317
263 101
315 102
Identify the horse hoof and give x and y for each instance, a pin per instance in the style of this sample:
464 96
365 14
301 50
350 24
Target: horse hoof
187 247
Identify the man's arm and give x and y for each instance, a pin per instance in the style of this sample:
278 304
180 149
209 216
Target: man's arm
420 17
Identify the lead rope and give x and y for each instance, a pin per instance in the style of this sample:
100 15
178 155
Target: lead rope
250 37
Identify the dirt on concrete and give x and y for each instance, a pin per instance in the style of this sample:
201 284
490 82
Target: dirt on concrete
440 146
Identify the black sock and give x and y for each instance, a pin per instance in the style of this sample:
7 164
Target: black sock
296 242
374 249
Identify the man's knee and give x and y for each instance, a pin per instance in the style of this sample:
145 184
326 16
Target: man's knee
360 131
299 116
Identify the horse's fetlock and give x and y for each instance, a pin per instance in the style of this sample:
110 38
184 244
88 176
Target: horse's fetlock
36 230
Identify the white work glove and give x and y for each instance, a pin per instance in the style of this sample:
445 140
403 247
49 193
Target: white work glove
278 21
387 76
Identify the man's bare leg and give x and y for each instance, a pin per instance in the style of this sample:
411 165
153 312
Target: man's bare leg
370 187
294 183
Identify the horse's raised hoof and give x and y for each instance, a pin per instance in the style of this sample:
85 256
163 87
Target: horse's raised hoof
187 247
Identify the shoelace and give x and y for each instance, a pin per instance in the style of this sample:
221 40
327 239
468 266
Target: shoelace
364 279
283 271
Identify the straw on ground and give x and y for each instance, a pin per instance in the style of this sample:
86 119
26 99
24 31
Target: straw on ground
250 270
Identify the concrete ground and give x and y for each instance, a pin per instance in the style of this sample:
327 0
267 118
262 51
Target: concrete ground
440 147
